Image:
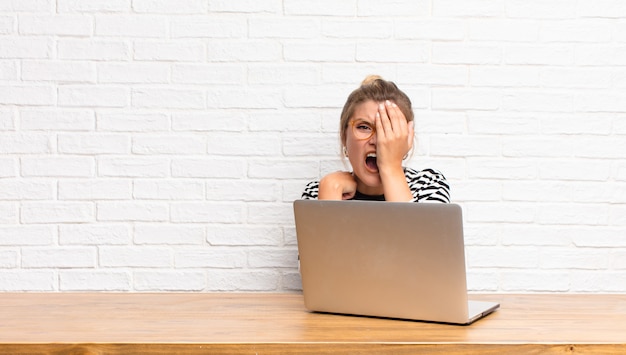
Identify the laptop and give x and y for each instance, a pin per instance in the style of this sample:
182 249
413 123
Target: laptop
385 259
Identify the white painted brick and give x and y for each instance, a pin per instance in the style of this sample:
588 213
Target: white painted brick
9 213
57 212
617 215
618 259
517 76
452 75
502 169
506 30
242 190
27 280
209 121
57 120
90 96
242 280
26 5
291 281
58 257
570 170
131 26
555 9
7 25
576 78
21 48
357 29
208 168
536 191
8 70
168 234
533 146
537 100
244 51
210 258
317 51
539 55
138 211
132 122
56 25
26 190
478 191
167 280
573 214
27 95
208 27
465 146
208 74
593 281
482 281
322 7
285 169
8 168
583 123
575 31
108 281
145 257
133 73
133 167
431 29
596 192
252 98
468 8
170 6
183 51
489 212
482 235
93 144
464 99
168 190
27 235
243 235
94 6
281 27
597 101
285 121
273 258
393 8
310 145
557 258
270 213
461 53
8 259
206 212
533 235
168 98
512 257
535 281
246 6
601 8
83 49
401 51
324 96
94 234
94 190
169 144
497 123
58 166
255 145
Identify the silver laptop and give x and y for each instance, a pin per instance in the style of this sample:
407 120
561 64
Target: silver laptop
385 259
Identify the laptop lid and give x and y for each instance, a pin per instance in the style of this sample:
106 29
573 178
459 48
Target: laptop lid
396 260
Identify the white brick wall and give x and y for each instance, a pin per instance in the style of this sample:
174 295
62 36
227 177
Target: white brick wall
157 145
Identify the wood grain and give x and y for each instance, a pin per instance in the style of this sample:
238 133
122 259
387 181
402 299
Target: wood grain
248 323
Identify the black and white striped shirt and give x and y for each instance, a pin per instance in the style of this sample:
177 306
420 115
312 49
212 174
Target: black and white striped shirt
426 186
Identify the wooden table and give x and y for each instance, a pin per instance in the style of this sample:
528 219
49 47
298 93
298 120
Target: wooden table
260 323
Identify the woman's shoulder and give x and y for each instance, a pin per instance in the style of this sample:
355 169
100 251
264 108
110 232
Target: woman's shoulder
311 190
432 173
427 185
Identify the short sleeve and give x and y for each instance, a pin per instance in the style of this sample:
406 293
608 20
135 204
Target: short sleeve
311 191
427 185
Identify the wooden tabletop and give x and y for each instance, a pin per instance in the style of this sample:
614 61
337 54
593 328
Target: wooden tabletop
248 323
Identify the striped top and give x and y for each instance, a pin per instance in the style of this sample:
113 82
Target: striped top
426 186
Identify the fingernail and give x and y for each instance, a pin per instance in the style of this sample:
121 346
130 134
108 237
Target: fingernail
388 102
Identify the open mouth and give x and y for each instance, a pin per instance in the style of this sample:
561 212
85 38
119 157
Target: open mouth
370 162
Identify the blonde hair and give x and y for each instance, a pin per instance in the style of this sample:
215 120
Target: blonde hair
374 88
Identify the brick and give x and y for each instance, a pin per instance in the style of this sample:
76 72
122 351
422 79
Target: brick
317 51
219 258
513 76
357 29
522 169
9 213
570 170
209 120
535 281
23 47
8 259
273 258
430 29
168 98
471 8
463 99
27 235
137 211
131 26
133 167
94 189
242 190
57 119
252 98
83 49
8 168
170 6
28 280
579 258
57 25
8 71
557 9
246 6
575 31
284 28
144 257
27 95
206 212
416 8
168 190
244 51
208 74
573 214
465 146
489 212
167 280
244 235
208 168
208 27
26 190
401 51
132 122
90 96
145 73
155 234
58 166
169 144
539 55
242 280
108 281
93 6
320 8
59 257
57 212
270 212
26 143
94 234
461 53
93 144
183 51
255 144
510 258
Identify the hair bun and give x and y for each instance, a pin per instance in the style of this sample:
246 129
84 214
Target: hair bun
370 79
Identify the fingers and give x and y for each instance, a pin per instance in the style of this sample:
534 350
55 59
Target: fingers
392 120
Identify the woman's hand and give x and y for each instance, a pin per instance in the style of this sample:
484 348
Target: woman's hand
394 140
339 185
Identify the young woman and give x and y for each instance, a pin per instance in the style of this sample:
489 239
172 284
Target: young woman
376 131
